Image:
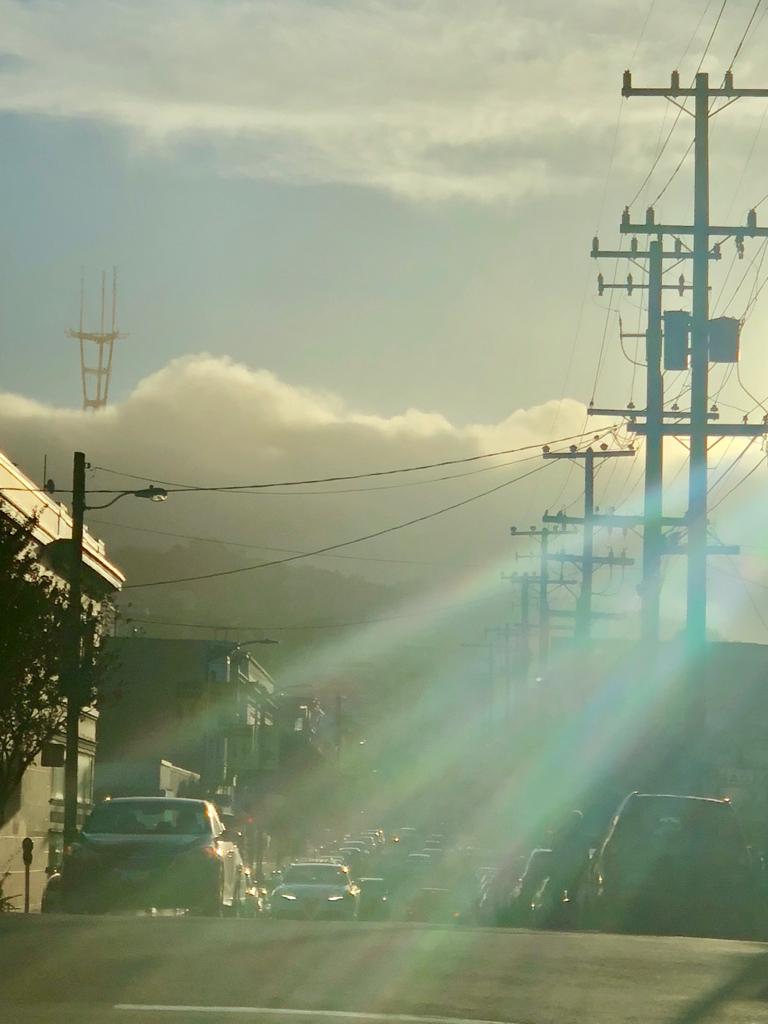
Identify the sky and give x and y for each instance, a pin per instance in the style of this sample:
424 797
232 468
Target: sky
356 233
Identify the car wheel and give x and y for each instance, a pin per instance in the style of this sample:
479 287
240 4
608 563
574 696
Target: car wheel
213 902
233 909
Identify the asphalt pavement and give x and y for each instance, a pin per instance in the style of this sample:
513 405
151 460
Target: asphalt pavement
180 970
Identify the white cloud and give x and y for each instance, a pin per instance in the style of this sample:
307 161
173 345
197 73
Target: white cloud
208 421
426 98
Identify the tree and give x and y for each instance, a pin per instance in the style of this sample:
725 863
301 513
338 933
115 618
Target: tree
33 604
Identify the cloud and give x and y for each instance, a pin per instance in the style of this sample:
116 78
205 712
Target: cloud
206 421
424 98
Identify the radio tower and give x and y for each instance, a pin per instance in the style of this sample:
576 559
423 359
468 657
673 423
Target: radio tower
101 371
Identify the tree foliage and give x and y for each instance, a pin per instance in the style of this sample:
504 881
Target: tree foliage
33 605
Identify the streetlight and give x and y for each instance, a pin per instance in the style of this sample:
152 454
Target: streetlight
71 660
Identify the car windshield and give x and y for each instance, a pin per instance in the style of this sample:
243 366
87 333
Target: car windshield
315 874
147 818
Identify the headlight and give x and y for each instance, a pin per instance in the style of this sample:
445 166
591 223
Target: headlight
333 899
287 896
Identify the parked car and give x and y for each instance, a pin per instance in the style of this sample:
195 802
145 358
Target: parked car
51 902
671 864
316 890
141 852
514 909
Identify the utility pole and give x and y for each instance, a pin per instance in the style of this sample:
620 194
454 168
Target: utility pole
505 634
703 333
488 648
337 717
71 662
544 582
650 594
588 559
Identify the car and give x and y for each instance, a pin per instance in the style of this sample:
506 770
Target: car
671 864
313 890
377 834
374 899
515 908
142 852
354 858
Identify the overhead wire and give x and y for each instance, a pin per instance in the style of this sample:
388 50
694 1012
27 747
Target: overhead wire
325 625
267 547
738 484
338 545
743 38
681 109
328 479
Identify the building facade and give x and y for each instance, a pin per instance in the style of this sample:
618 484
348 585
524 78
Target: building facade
205 706
36 810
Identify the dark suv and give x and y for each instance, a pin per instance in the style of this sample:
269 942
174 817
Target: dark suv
141 852
671 865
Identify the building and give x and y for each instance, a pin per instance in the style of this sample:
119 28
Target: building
201 705
37 809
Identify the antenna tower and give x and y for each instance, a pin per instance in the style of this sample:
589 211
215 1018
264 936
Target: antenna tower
96 375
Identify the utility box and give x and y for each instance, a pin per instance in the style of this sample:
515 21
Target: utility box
677 328
724 340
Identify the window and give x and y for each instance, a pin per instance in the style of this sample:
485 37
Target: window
85 778
57 783
148 817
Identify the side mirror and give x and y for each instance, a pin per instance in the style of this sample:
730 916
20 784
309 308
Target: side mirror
230 836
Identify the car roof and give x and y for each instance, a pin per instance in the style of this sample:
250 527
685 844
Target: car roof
315 864
181 800
678 796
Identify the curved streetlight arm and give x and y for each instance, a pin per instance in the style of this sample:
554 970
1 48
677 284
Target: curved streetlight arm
152 493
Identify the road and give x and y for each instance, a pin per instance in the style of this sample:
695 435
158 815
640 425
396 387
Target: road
111 970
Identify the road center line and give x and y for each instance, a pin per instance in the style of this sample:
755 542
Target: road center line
403 1018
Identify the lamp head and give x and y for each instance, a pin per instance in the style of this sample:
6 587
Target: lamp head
152 492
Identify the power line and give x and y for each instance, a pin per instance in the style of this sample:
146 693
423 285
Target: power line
334 479
746 32
326 625
681 109
341 544
267 547
743 582
729 469
736 486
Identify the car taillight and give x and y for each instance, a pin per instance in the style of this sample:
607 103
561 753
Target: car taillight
76 850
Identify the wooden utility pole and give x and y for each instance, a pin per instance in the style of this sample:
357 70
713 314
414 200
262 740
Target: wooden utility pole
543 582
72 679
588 560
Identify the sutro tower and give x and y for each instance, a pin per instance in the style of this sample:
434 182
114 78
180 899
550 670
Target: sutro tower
101 371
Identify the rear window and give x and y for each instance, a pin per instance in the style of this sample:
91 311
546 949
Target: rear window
692 828
147 818
315 874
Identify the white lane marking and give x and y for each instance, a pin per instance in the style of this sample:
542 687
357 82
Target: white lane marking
404 1018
